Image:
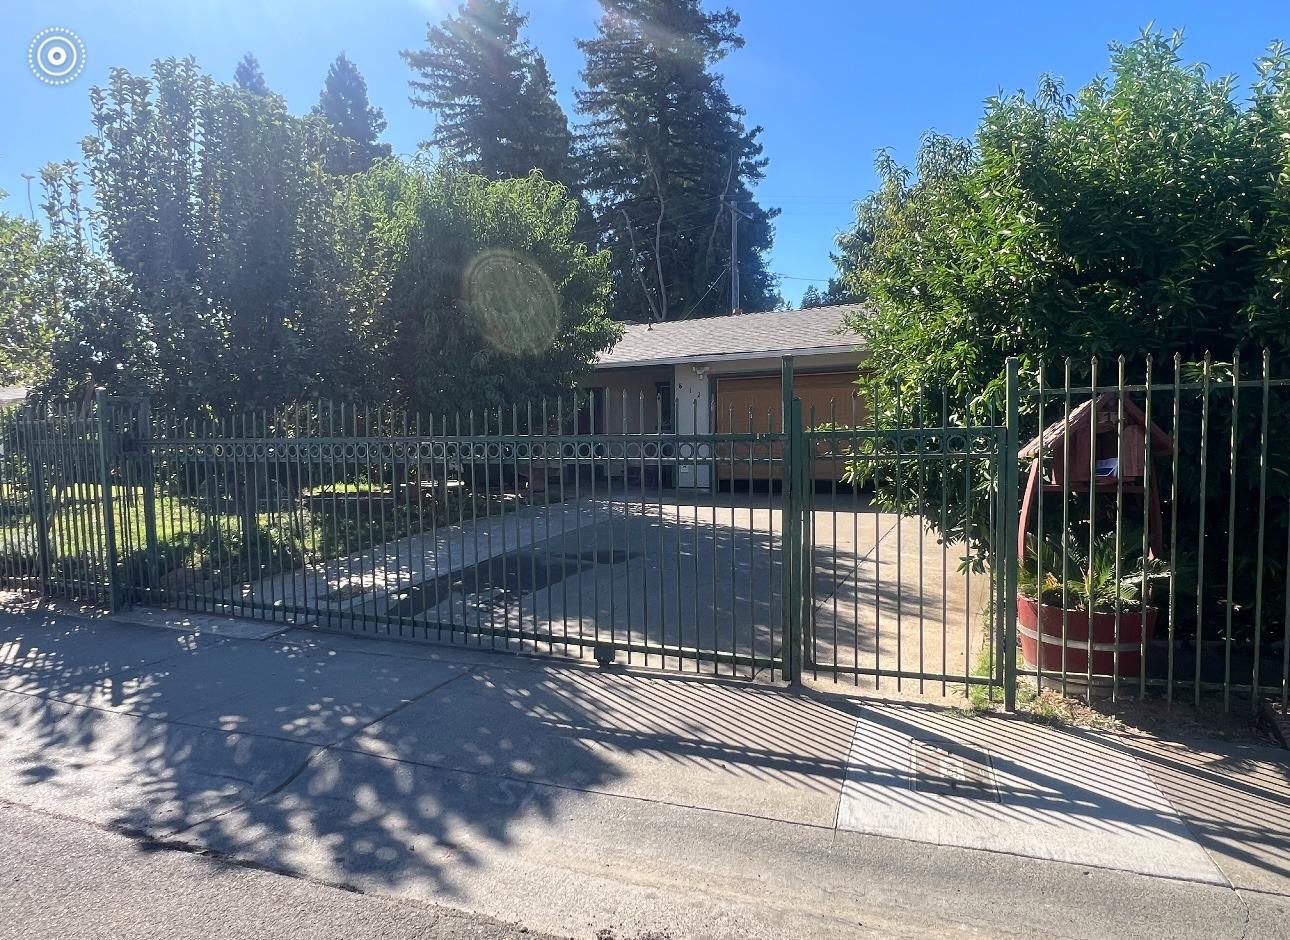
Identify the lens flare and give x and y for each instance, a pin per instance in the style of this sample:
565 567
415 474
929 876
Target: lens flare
513 302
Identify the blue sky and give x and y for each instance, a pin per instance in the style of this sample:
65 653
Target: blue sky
832 81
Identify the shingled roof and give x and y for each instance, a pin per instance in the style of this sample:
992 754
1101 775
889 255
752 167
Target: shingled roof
746 336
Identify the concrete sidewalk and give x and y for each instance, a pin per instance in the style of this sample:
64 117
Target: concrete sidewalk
575 801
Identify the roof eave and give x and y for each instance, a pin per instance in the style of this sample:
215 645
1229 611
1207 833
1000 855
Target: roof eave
730 357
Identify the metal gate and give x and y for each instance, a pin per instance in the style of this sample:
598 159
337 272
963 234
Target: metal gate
908 554
543 529
515 529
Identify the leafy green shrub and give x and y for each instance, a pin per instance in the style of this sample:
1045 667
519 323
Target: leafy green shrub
1110 573
1145 215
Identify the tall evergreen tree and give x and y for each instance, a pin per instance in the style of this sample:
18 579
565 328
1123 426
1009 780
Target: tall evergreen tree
492 95
550 142
671 163
836 292
355 124
248 76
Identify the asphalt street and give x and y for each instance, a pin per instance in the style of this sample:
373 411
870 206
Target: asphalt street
69 880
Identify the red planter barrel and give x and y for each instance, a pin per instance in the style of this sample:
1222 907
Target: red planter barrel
1041 625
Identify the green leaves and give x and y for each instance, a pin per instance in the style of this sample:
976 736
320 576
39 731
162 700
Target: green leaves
493 97
425 251
22 329
208 196
1133 217
237 273
1093 577
356 126
1147 214
667 153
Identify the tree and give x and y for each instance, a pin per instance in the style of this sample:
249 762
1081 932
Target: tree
248 77
97 333
835 292
225 270
210 199
356 126
465 292
670 162
22 334
550 140
492 96
1144 215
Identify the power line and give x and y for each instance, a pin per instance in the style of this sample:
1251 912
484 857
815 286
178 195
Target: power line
669 232
695 305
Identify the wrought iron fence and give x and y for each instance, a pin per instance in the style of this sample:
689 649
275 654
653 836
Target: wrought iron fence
902 532
1146 552
511 529
59 525
1156 529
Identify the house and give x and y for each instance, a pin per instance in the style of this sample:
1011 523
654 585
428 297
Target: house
722 375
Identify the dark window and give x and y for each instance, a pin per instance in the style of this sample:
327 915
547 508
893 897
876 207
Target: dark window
663 400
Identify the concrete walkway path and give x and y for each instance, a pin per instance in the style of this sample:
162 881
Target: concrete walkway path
576 801
657 574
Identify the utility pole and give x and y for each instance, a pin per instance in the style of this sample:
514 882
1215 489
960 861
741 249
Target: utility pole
735 213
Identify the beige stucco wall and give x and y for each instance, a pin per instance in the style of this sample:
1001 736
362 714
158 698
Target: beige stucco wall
631 398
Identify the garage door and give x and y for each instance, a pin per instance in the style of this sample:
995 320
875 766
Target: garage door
753 403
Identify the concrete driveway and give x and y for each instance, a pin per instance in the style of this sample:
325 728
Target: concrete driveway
576 800
691 583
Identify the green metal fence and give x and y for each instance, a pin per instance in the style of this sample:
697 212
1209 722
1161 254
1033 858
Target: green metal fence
1175 519
511 529
1139 545
59 523
906 537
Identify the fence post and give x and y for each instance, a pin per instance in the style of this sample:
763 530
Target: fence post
39 508
104 429
805 490
1008 535
791 552
148 479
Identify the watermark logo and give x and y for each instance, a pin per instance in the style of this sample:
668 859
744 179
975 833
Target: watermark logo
56 55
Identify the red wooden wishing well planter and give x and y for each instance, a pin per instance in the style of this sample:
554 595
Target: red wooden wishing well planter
1105 445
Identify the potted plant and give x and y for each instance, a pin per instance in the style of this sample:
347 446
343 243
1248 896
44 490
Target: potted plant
1073 596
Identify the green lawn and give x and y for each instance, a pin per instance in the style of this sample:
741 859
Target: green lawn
218 545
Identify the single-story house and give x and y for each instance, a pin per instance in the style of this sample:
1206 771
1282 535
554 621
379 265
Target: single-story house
722 374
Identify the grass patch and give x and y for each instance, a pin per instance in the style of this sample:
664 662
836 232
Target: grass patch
210 541
1046 706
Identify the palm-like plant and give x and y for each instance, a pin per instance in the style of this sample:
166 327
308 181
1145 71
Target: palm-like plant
1068 570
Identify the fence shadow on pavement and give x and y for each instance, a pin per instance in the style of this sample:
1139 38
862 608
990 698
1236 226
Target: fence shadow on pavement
397 765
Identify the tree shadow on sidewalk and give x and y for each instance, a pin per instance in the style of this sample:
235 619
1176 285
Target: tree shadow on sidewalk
241 746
